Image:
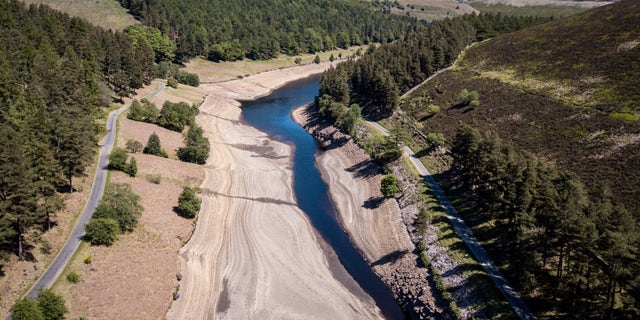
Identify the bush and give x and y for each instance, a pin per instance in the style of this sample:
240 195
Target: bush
188 203
52 305
48 306
173 83
383 150
145 112
467 97
316 59
176 116
132 167
190 79
297 60
73 277
133 146
120 203
45 246
153 146
88 259
389 186
118 159
432 109
197 146
101 232
26 309
436 139
331 58
154 178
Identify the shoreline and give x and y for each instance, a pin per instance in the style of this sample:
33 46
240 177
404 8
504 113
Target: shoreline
254 253
374 224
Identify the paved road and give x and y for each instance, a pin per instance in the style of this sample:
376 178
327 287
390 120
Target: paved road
97 189
467 236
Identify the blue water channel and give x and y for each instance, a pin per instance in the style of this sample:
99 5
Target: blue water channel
271 114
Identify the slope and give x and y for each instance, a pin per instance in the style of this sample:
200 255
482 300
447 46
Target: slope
553 99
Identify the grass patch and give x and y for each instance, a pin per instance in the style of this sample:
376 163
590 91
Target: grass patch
225 71
626 116
104 13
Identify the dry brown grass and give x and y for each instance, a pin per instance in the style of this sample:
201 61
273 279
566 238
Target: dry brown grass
104 13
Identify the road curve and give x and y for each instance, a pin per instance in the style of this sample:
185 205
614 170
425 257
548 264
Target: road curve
463 231
97 189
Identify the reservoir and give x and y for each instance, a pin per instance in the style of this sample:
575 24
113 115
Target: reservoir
271 114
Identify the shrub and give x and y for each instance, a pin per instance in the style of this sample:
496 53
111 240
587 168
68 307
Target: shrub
331 58
26 309
176 116
132 167
389 186
52 305
197 146
120 203
173 83
101 232
133 146
467 97
316 59
145 112
432 109
153 146
188 203
190 79
118 159
154 178
45 246
73 277
436 139
297 60
88 259
383 150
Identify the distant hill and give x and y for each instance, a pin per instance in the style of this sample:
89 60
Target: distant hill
263 29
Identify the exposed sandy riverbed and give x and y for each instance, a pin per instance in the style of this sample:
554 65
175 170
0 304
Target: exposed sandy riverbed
373 223
254 254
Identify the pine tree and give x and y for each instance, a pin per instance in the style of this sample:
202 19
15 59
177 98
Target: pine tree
153 146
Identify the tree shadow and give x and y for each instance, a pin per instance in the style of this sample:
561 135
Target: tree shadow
391 257
335 143
373 202
364 169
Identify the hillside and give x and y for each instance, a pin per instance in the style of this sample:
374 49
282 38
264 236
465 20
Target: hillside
565 90
259 29
552 100
107 14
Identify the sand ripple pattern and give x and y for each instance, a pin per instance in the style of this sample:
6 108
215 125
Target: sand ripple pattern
254 254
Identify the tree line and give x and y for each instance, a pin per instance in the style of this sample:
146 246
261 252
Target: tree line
55 74
263 29
376 81
579 247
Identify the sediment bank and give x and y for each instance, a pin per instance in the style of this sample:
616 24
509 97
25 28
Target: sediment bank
374 224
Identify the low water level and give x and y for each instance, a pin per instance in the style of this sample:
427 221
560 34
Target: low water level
271 114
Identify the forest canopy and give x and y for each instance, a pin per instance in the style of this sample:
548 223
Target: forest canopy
263 29
55 74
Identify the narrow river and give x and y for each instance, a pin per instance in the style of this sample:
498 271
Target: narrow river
271 114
